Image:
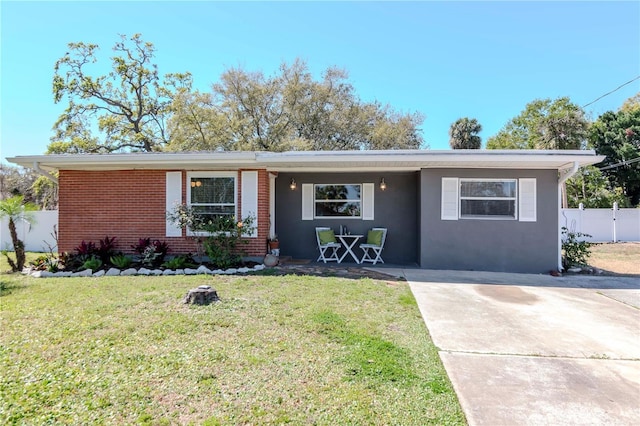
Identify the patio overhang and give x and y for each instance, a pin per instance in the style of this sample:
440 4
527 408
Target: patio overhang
414 160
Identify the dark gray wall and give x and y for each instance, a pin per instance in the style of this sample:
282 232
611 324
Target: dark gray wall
489 245
395 209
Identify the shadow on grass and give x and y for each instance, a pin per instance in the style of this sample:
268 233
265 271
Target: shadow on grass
7 287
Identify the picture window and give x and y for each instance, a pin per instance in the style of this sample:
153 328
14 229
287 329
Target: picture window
343 201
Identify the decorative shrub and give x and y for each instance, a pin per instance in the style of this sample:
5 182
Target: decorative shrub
151 253
94 263
184 217
180 262
121 261
225 234
83 252
46 262
142 244
574 251
222 234
106 249
85 249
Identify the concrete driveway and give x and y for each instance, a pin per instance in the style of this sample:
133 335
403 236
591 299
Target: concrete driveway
534 349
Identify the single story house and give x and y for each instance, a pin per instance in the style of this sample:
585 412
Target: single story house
495 210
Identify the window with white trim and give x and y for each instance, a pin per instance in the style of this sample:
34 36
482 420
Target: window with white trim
212 194
344 201
488 198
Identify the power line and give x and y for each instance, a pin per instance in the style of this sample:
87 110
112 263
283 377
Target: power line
614 90
622 163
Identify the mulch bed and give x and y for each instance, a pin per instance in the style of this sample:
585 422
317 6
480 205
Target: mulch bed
306 267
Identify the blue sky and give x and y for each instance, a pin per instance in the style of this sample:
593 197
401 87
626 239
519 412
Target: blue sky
447 60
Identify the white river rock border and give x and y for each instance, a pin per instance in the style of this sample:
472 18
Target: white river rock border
114 272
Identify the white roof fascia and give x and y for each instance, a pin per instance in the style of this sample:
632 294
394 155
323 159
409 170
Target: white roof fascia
139 161
319 161
300 161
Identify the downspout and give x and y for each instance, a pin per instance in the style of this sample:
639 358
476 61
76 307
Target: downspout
38 169
563 178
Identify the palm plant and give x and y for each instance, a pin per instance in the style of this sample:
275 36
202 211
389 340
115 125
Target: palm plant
16 210
463 134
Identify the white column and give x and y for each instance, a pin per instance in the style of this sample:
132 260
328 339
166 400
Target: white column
272 203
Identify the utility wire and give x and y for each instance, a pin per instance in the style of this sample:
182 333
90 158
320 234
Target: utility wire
614 90
622 163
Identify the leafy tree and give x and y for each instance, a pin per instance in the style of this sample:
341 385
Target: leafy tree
34 188
544 124
16 210
46 193
617 136
287 111
591 188
254 108
15 181
128 106
196 124
463 134
631 104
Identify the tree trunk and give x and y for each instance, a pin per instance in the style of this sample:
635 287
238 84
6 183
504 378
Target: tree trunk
18 247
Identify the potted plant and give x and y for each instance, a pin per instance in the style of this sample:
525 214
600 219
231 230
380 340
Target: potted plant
273 242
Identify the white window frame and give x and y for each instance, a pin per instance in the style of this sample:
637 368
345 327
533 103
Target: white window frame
315 201
196 174
514 199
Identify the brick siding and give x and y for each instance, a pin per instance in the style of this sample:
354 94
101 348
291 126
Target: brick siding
129 205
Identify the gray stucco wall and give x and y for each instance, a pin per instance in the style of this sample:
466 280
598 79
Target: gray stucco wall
489 245
396 209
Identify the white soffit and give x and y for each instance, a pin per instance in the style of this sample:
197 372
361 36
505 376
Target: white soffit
319 161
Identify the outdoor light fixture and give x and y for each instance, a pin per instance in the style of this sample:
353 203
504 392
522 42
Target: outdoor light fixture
383 184
293 184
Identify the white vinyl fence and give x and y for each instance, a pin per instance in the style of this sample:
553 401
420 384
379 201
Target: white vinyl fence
36 236
604 225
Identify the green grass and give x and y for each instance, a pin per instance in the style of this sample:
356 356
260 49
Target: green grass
275 350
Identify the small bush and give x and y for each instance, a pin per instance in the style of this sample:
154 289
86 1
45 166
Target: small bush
71 261
225 234
85 249
161 247
106 248
94 263
151 253
574 251
121 261
220 236
46 263
180 262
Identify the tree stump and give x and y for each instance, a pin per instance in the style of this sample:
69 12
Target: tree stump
202 295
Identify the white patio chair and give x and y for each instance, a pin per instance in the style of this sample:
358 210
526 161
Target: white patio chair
328 249
372 251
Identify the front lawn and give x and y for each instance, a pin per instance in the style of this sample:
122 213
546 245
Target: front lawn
298 350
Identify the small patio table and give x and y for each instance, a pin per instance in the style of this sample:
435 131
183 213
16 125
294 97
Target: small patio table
348 241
